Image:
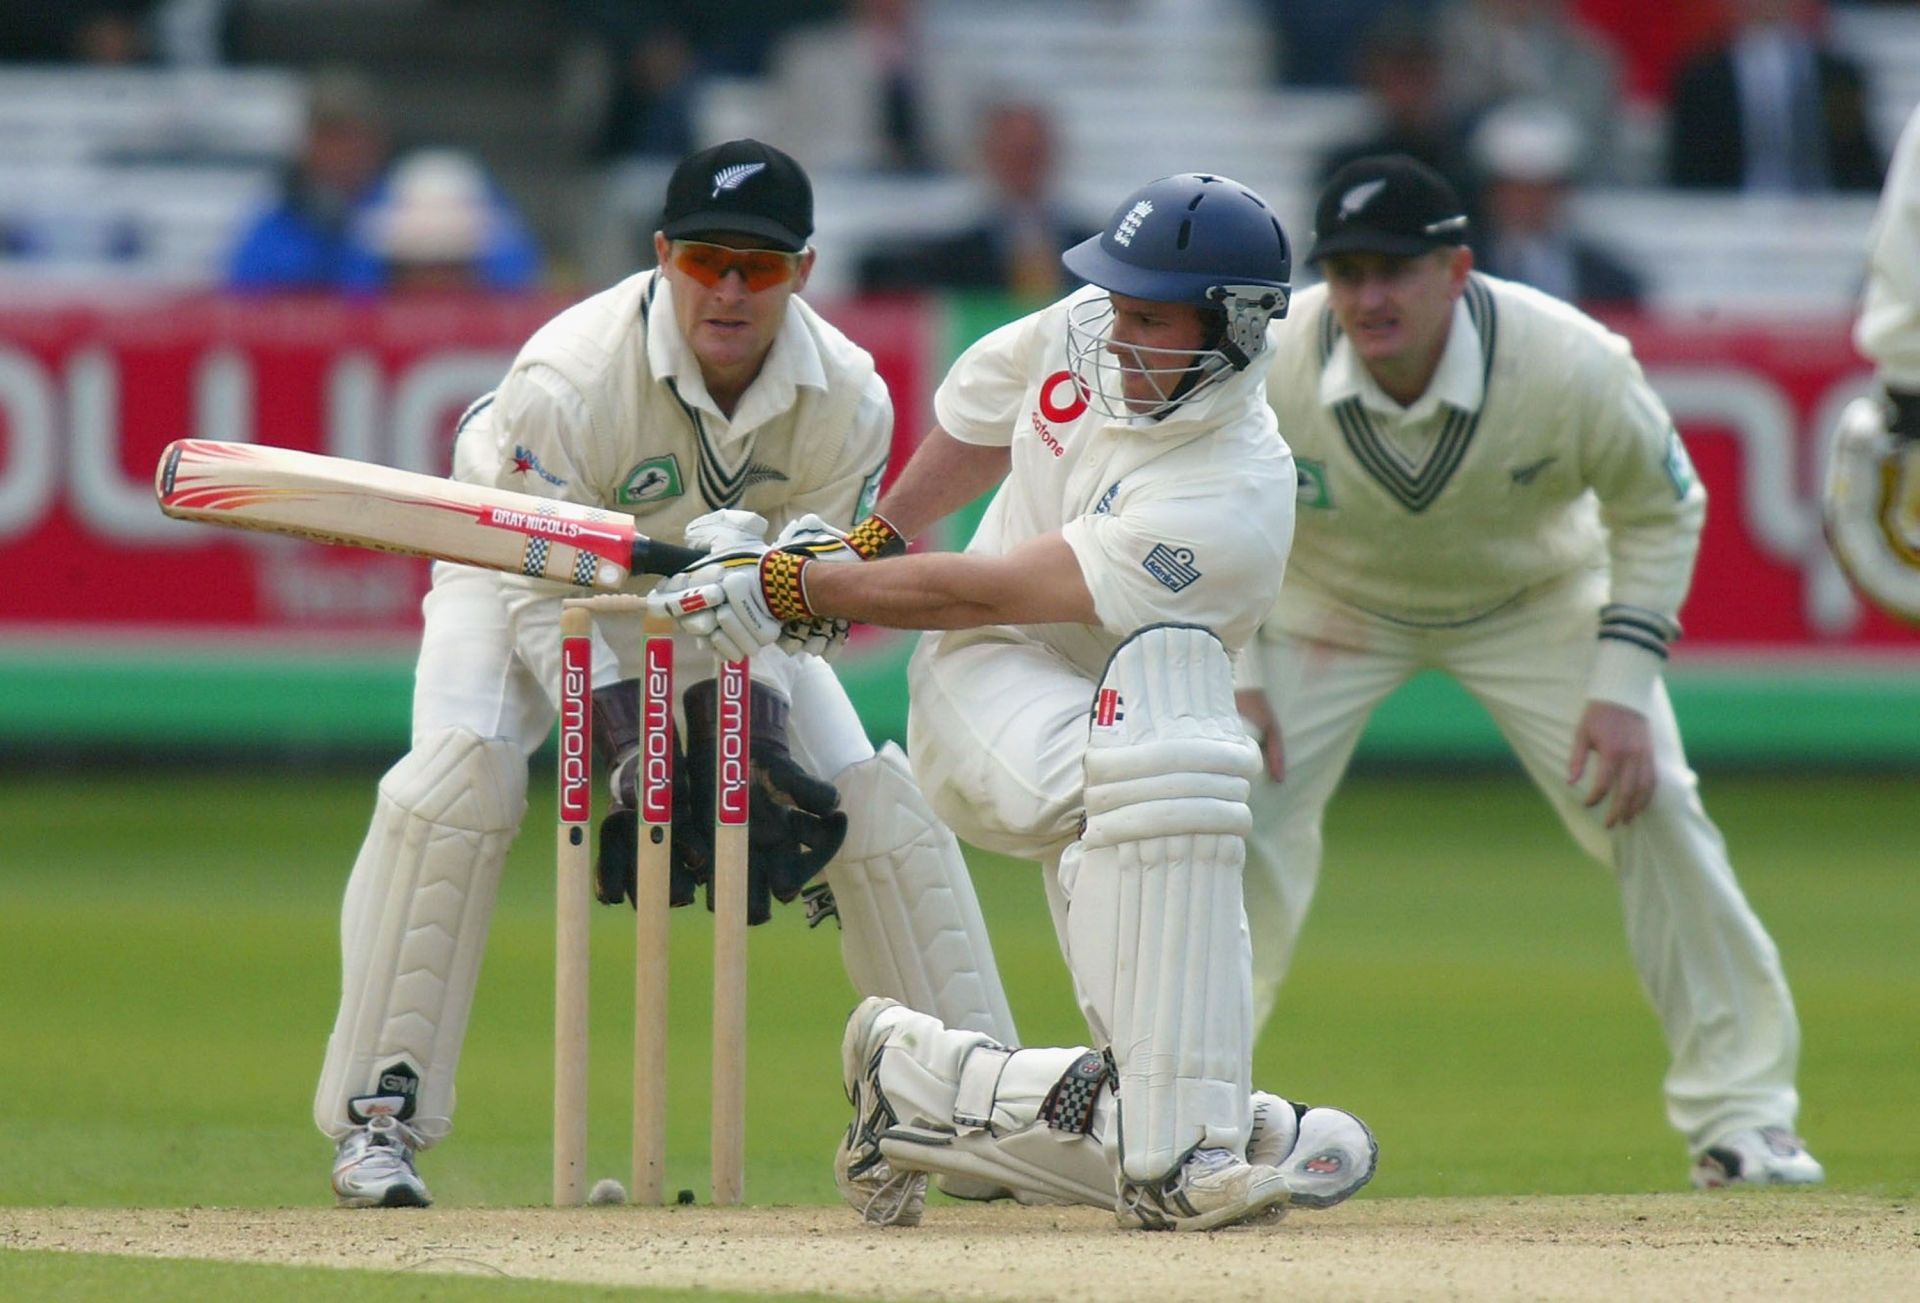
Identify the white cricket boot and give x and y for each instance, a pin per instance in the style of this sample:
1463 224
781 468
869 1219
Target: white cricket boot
373 1167
868 1182
1756 1156
1212 1190
1325 1154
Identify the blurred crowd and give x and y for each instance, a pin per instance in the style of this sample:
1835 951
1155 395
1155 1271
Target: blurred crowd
1518 102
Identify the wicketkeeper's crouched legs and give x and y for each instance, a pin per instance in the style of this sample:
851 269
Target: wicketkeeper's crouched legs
413 928
910 923
911 927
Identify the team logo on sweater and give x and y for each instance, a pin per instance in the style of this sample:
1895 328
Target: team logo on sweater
1172 566
1311 489
869 492
1525 475
653 480
758 472
1679 466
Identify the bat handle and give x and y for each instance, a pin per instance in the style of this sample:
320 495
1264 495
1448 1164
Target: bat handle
651 557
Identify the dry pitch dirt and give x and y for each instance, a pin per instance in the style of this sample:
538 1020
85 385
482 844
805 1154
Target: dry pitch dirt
1757 1244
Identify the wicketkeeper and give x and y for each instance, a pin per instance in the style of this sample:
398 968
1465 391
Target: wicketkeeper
705 398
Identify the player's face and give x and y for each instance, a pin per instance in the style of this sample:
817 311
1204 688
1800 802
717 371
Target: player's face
1396 310
1154 343
730 295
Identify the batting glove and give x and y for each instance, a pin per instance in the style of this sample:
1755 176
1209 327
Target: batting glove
813 538
736 602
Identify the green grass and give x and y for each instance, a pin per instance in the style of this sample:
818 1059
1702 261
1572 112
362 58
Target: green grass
87 1277
168 972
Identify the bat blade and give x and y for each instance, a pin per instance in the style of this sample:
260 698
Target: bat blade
360 504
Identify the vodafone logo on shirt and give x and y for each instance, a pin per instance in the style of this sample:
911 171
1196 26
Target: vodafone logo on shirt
1061 384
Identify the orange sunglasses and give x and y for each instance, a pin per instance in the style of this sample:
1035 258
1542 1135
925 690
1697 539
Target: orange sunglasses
708 264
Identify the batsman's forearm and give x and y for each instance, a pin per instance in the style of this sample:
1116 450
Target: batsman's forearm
935 590
1039 582
943 475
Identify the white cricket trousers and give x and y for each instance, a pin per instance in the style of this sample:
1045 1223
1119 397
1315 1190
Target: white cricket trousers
1706 963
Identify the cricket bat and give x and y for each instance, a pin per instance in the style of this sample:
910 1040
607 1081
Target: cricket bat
359 504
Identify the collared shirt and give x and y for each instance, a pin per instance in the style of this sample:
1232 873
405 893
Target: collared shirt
1457 384
1538 451
1187 518
605 405
792 363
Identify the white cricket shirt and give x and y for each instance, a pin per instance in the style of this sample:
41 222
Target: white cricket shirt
1184 519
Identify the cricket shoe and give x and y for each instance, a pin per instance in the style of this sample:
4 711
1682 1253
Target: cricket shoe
1212 1190
373 1167
1325 1154
867 1181
1756 1156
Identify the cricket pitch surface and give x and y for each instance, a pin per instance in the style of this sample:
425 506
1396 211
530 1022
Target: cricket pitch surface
1737 1244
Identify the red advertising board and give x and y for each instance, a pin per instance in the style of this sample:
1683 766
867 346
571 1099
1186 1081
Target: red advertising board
89 396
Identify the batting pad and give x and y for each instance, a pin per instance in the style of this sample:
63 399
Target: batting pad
414 925
911 926
1157 934
966 1107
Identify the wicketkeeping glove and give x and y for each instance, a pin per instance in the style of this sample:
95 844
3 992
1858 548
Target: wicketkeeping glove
616 735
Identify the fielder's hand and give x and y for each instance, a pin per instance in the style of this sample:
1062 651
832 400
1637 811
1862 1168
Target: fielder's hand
1623 741
725 530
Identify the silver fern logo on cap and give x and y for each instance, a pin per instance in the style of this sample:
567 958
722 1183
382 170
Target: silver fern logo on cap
1360 196
730 178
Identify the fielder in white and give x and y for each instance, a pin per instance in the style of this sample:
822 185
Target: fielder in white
1077 709
1872 493
694 397
1489 488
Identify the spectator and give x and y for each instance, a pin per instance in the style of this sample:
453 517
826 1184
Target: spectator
308 239
1400 71
1320 40
1650 53
852 90
1528 153
439 224
333 227
1771 110
1496 50
1017 243
655 75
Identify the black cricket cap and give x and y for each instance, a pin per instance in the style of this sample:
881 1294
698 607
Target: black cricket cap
1387 203
744 187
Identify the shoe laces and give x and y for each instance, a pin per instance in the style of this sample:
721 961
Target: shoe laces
386 1138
